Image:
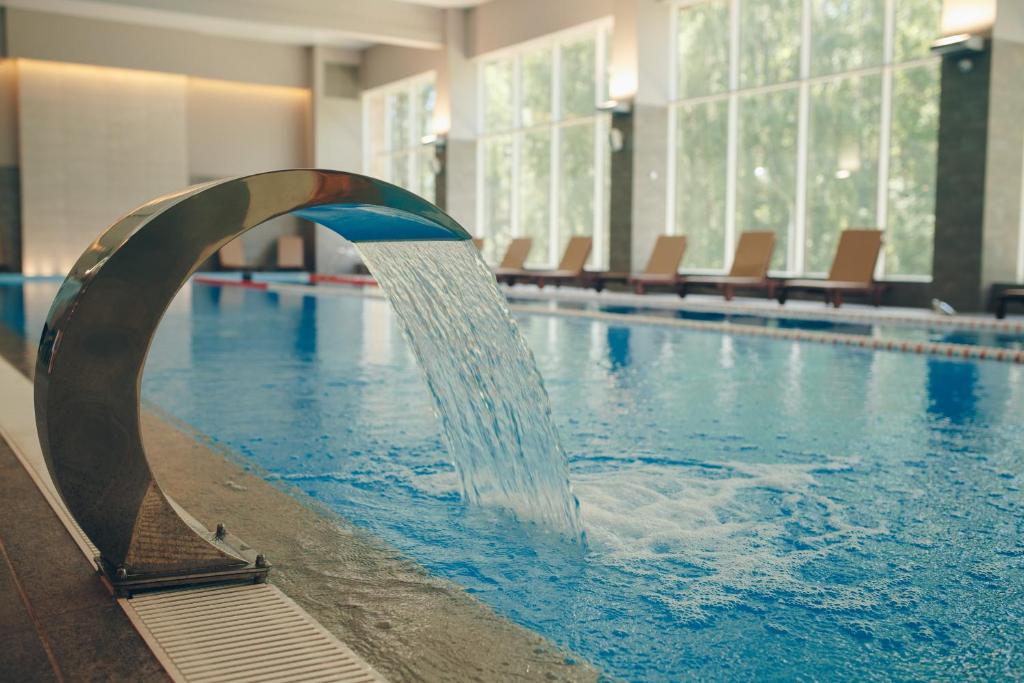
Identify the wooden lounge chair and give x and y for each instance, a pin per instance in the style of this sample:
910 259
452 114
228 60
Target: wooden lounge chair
570 268
512 264
290 253
662 268
1005 297
853 270
232 257
749 268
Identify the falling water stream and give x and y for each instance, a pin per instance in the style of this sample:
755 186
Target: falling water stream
487 391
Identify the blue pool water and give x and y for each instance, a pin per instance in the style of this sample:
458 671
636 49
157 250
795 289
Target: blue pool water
754 508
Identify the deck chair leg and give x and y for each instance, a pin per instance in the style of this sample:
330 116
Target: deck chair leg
1001 308
638 288
727 292
876 296
681 290
837 299
783 295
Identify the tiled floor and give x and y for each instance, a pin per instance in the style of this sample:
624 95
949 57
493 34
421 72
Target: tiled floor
57 623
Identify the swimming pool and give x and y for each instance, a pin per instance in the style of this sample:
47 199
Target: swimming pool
754 507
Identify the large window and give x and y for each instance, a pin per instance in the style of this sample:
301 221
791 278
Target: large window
805 117
543 152
398 134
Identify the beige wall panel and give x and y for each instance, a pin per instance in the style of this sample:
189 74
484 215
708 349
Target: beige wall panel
236 129
60 38
8 113
95 143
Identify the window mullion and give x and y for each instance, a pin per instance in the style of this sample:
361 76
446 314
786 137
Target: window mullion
885 134
798 238
556 141
732 141
517 142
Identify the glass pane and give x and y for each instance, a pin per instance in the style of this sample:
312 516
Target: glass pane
842 164
535 193
702 46
846 35
424 110
497 196
769 42
497 87
766 167
576 182
913 149
702 132
400 174
536 97
579 85
918 23
398 120
426 163
375 121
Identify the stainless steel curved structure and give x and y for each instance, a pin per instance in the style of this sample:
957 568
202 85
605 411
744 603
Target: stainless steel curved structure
98 333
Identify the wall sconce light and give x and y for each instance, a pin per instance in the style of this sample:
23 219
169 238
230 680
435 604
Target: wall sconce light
624 106
958 44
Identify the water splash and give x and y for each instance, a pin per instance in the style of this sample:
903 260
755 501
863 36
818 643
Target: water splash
487 391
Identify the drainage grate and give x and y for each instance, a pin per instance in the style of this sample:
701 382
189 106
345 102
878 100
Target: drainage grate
242 633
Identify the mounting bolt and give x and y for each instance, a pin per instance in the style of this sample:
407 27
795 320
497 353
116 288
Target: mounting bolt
261 561
221 532
121 574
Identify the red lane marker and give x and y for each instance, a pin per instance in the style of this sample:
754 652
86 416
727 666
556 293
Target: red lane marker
360 280
230 283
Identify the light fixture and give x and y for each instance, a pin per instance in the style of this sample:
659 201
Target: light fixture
959 43
616 106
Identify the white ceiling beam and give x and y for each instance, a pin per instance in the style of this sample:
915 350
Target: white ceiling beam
352 24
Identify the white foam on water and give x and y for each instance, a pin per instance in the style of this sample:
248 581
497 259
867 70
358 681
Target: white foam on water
487 391
730 530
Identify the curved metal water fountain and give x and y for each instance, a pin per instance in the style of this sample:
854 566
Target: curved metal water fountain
98 333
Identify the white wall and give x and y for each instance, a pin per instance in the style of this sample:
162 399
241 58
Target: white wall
94 143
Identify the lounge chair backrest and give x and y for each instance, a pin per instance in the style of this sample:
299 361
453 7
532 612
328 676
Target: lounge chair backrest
478 242
576 254
753 255
856 255
515 256
290 250
232 256
667 253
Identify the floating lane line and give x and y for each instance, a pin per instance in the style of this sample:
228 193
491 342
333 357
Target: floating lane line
967 351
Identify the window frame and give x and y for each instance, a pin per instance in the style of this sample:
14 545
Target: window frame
599 31
796 239
413 151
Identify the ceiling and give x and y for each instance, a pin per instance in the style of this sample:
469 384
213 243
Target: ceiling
351 24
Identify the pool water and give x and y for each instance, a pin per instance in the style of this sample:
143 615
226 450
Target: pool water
754 508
